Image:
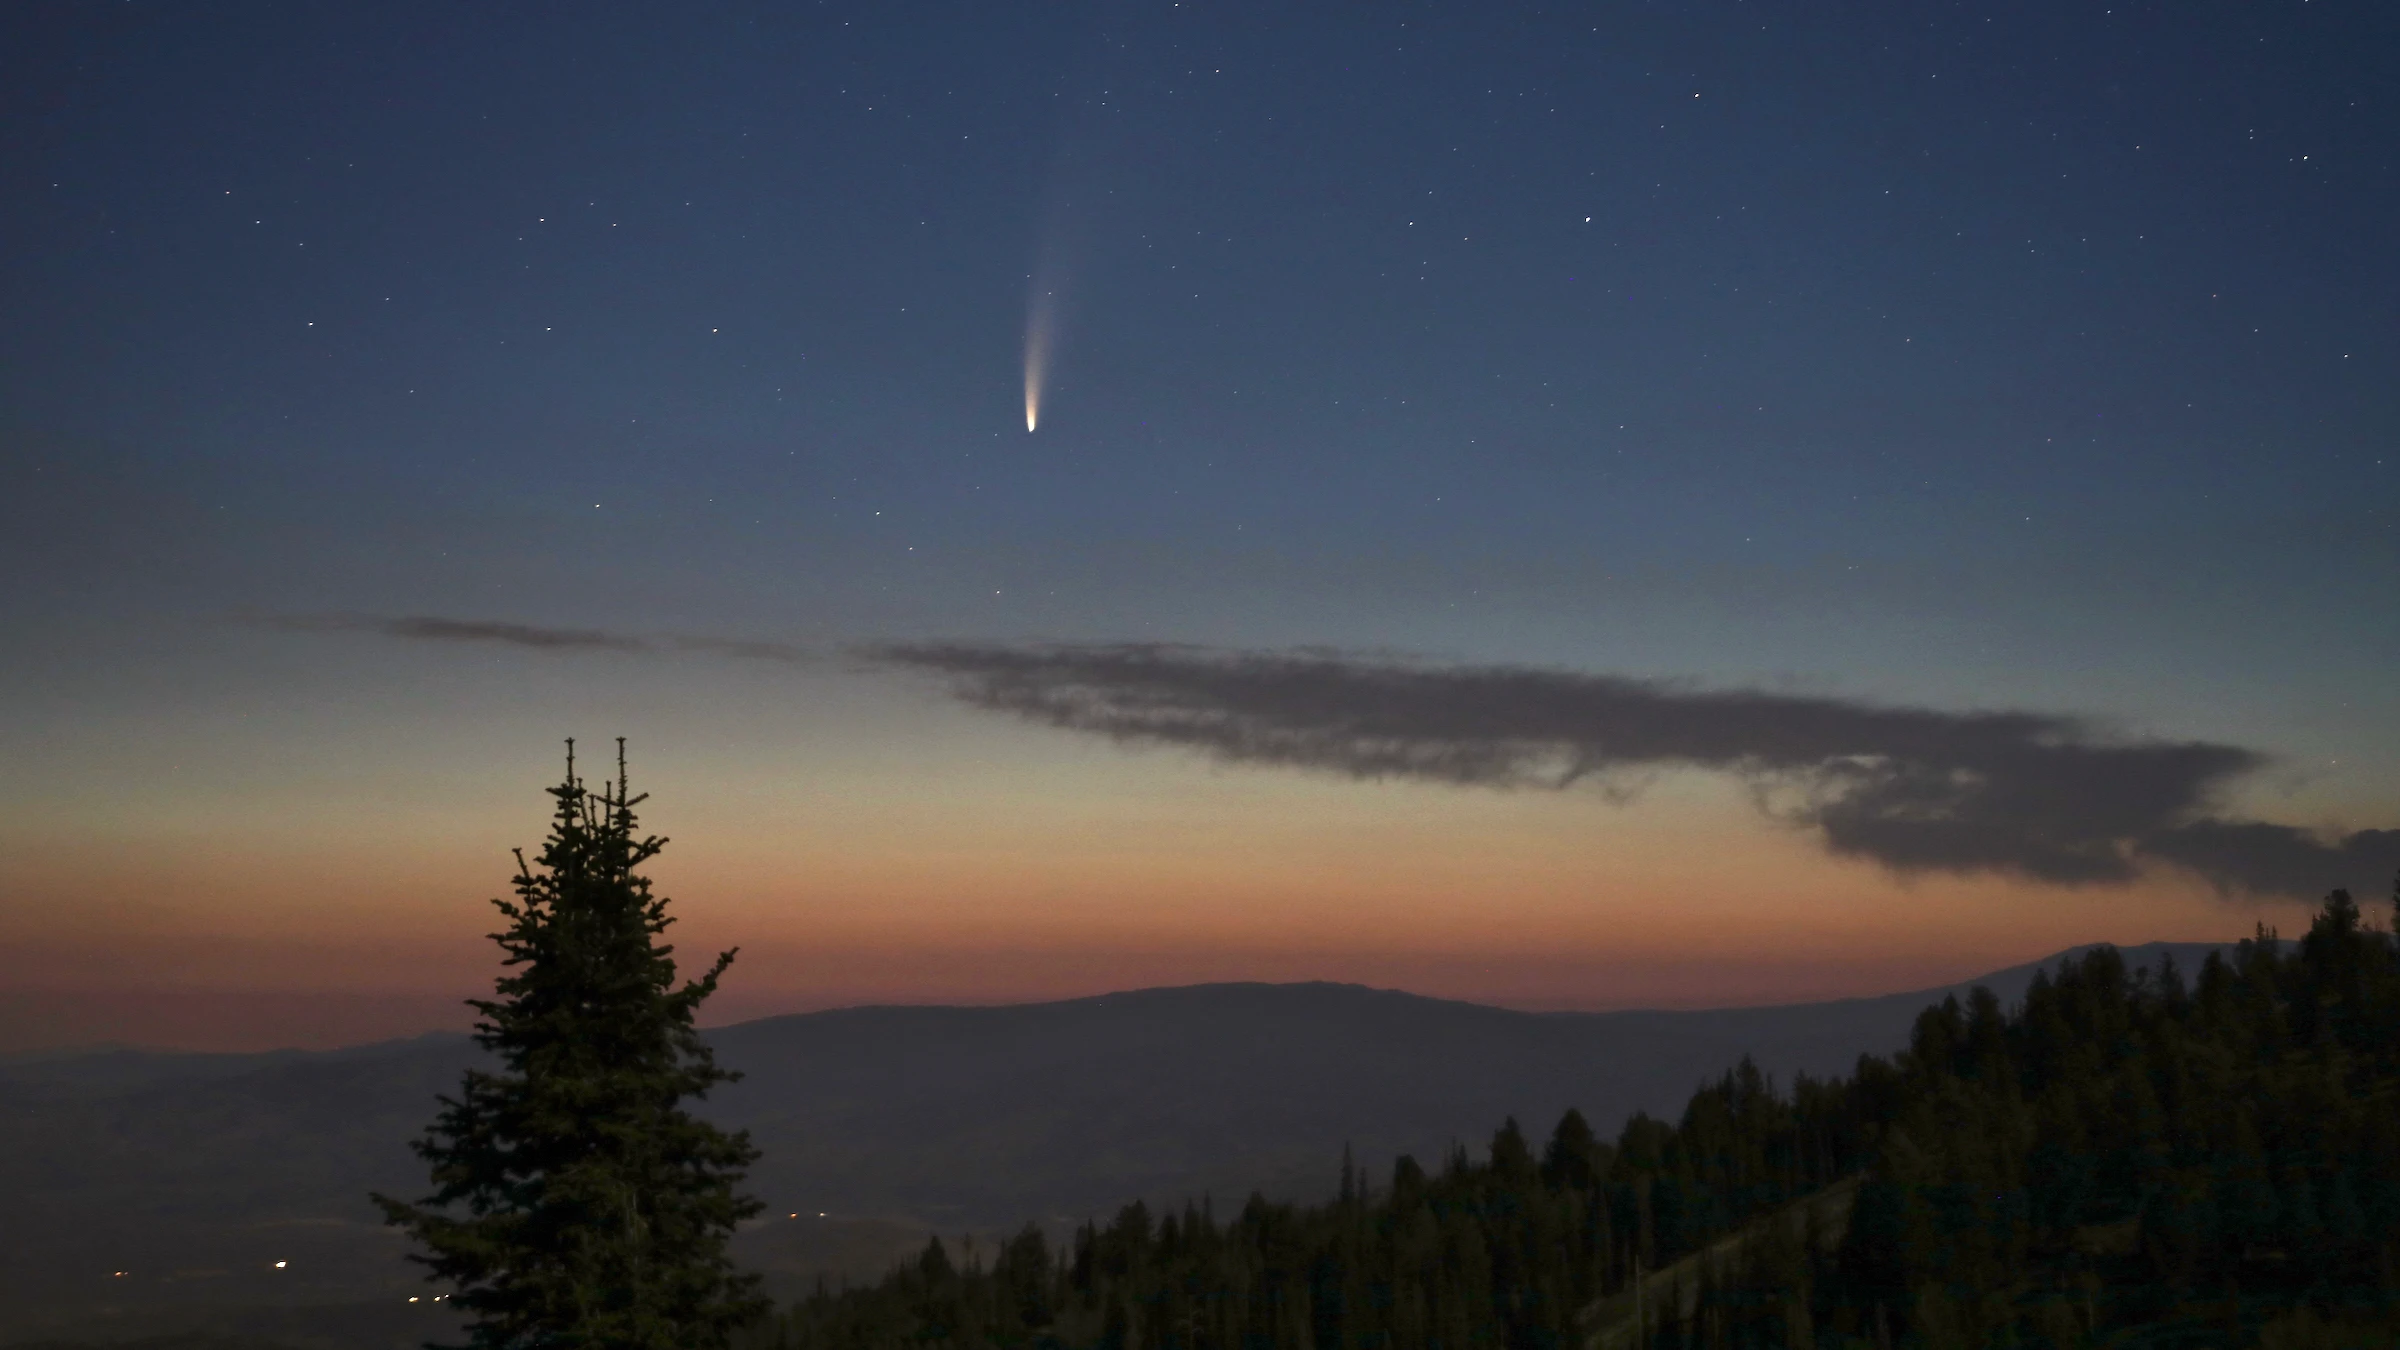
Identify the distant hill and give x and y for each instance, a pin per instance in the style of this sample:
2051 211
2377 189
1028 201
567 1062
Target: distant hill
195 1173
2212 1166
985 1116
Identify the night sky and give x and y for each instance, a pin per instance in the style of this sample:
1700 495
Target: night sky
1588 506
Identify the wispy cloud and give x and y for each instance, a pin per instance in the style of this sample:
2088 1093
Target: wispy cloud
2038 795
2252 855
428 628
744 649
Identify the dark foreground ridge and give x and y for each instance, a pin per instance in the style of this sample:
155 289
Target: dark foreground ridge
2126 1158
195 1173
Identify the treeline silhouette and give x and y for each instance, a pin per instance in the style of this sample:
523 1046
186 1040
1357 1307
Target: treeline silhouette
2131 1157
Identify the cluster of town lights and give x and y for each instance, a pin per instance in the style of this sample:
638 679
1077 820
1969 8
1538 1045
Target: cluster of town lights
121 1274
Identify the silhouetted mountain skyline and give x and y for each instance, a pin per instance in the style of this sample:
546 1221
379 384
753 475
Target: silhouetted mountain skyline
196 1172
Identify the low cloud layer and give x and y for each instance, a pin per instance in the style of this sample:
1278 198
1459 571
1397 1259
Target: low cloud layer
2030 794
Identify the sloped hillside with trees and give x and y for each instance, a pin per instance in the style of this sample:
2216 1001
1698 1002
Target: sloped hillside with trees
2125 1159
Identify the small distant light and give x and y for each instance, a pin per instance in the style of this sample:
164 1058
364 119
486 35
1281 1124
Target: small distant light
412 1298
281 1264
820 1214
118 1275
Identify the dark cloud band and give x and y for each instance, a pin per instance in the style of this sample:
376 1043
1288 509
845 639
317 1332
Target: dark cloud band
430 629
1916 790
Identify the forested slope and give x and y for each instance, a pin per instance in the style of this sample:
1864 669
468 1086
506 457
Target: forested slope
2125 1159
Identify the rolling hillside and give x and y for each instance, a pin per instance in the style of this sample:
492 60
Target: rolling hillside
195 1174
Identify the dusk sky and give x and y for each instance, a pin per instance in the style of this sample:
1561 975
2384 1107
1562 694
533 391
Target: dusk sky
1572 507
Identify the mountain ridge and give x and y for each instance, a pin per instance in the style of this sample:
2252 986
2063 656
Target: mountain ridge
198 1172
31 1065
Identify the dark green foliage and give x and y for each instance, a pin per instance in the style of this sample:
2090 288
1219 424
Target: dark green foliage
575 1202
2129 1159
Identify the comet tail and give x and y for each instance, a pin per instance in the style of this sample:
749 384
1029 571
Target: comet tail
1038 326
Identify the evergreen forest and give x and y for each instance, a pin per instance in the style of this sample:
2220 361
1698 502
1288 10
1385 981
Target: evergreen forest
2131 1158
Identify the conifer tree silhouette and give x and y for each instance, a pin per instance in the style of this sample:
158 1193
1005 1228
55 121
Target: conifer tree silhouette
576 1203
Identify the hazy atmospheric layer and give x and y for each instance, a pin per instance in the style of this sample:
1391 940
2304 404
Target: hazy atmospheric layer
1961 405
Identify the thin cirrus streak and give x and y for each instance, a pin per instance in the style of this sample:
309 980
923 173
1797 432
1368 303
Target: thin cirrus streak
431 628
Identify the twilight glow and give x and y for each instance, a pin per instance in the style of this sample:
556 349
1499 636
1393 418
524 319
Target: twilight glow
1660 506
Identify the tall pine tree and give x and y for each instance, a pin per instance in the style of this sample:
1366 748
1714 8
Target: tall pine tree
576 1203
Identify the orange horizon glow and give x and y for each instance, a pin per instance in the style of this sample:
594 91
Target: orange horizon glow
282 971
300 907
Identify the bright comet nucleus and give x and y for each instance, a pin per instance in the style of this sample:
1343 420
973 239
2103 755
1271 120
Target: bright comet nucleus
1038 327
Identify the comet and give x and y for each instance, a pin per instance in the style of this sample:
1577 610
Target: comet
1040 325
